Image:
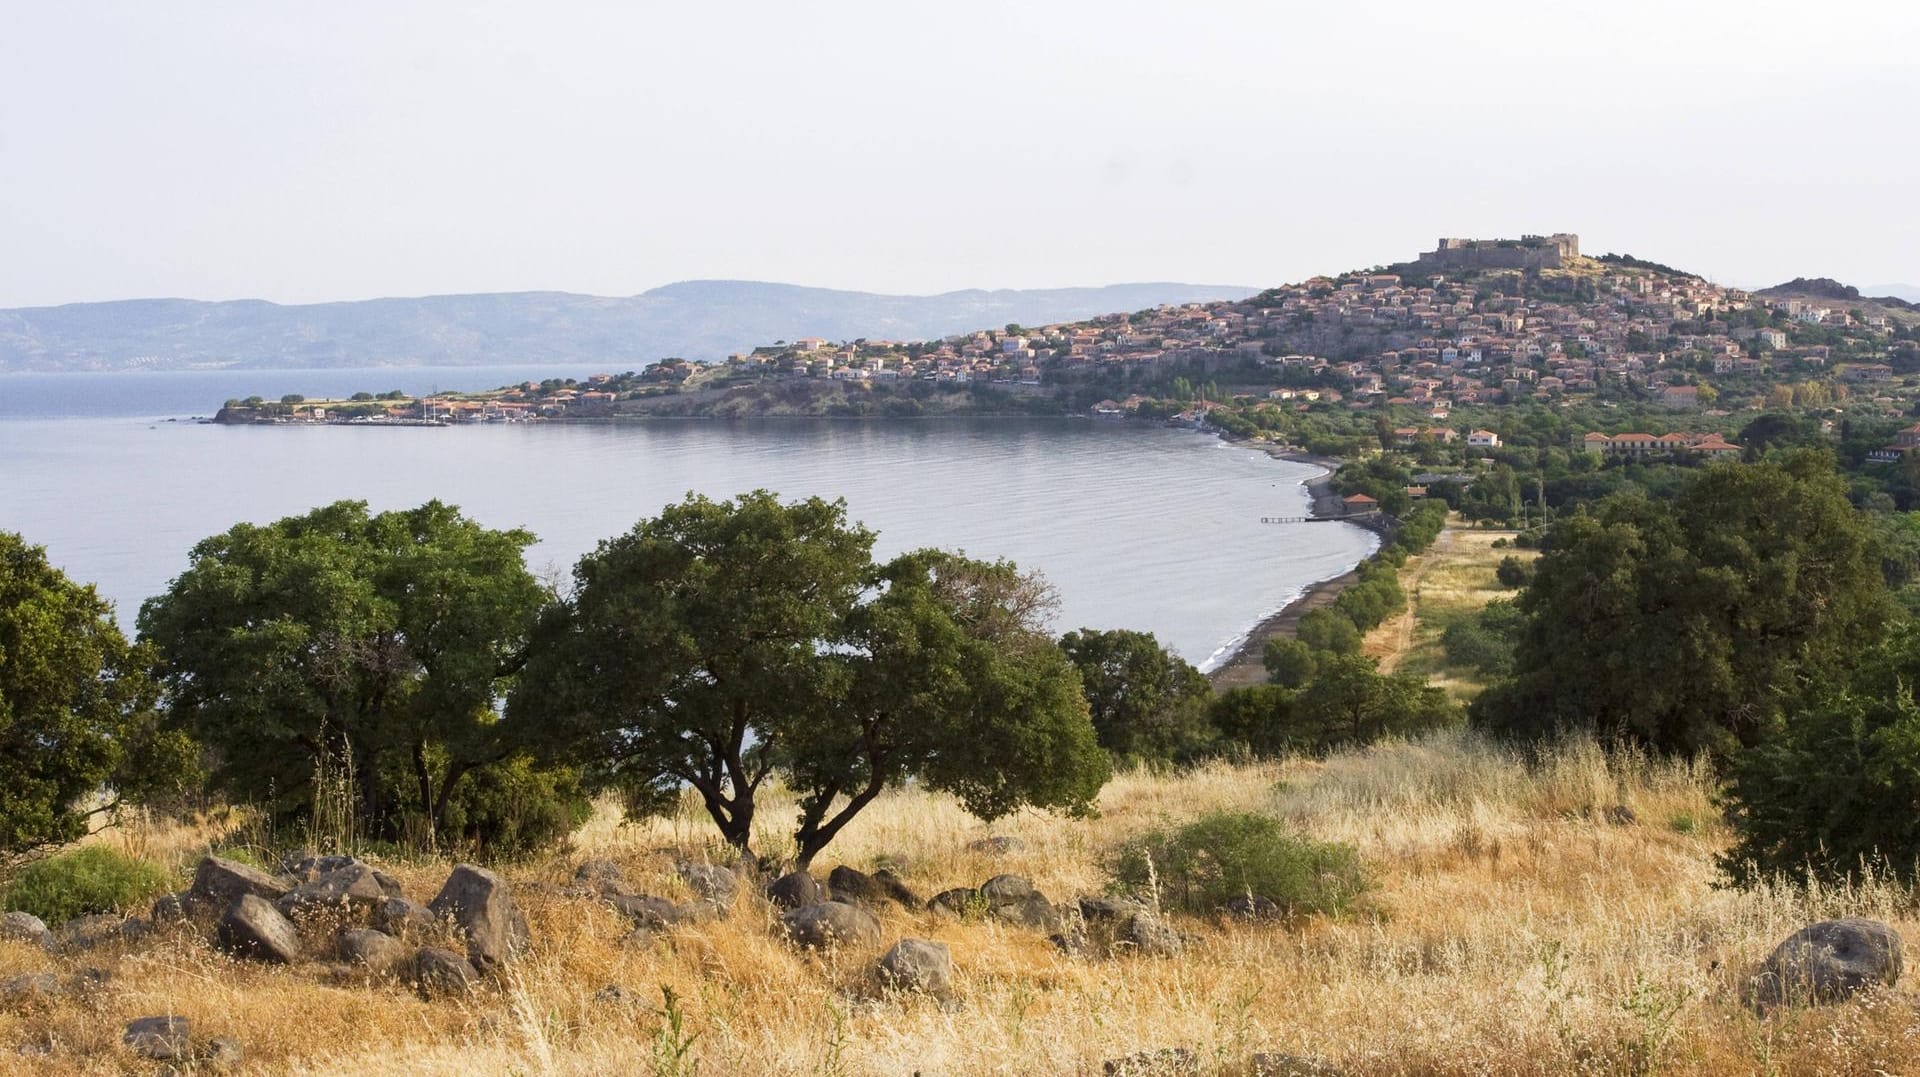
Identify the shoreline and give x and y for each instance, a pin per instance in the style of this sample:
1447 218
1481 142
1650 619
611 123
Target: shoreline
1244 666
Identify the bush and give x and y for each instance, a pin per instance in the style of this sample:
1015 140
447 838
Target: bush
513 808
1513 572
1225 855
94 879
1327 630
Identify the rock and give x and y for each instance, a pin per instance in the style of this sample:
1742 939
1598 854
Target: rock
1145 933
87 932
794 890
856 887
25 927
169 908
222 1054
830 924
1109 910
29 988
1034 911
305 868
442 972
714 884
896 888
918 965
1829 961
1252 907
163 1039
601 878
401 917
998 845
1275 1064
657 913
1006 890
962 901
480 905
218 883
1166 1062
373 950
253 928
352 890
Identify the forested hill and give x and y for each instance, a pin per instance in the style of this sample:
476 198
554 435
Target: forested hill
700 320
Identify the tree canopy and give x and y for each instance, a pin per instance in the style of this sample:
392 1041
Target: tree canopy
1146 702
1688 625
77 711
723 643
373 648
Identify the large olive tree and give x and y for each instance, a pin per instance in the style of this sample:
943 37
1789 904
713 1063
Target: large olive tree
722 644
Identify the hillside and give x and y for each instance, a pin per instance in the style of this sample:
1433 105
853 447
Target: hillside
700 320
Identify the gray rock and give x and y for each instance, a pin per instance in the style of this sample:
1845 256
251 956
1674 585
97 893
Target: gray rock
353 889
1033 911
222 1054
657 913
218 883
373 950
163 1039
794 890
1006 890
87 932
304 868
253 928
998 845
918 965
1252 907
438 972
601 878
401 917
715 885
169 908
830 924
1145 933
479 904
962 901
1109 910
1829 961
896 889
856 887
1166 1062
25 927
30 988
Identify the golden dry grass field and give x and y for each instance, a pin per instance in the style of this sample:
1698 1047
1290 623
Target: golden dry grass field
1454 578
1521 924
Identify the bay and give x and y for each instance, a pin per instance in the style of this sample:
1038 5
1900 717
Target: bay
1138 526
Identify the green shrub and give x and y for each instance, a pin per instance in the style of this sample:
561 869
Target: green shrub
1326 630
94 879
1513 572
514 807
1225 855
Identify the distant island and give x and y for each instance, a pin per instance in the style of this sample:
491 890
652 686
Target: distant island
696 320
1431 347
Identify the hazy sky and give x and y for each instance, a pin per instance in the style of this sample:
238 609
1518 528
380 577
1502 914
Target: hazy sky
302 152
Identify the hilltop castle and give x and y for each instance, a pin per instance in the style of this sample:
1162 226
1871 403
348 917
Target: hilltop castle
1527 252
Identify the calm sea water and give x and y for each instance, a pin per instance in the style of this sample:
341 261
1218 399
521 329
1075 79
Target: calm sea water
1137 526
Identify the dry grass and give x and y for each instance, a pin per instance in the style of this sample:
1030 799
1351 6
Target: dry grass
1514 929
1453 579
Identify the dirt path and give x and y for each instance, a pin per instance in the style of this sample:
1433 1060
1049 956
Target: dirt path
1391 641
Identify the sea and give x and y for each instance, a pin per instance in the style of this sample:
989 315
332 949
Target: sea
1136 525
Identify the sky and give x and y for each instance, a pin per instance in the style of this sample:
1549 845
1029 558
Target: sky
313 152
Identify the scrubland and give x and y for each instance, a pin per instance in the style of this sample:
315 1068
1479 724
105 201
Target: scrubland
1553 916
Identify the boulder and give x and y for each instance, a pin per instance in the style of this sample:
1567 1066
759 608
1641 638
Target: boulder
1109 910
1829 961
163 1039
714 884
442 972
657 913
1166 1062
830 924
400 917
169 908
1006 890
376 951
999 845
960 901
795 889
1252 907
479 904
896 889
218 883
855 887
25 927
98 929
354 889
1146 933
918 965
304 868
29 988
1033 911
601 877
253 928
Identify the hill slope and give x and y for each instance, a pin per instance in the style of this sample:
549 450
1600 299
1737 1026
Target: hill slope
693 319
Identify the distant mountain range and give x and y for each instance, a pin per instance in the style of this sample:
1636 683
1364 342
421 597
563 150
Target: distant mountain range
702 320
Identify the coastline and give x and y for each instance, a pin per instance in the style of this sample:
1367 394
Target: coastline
1244 667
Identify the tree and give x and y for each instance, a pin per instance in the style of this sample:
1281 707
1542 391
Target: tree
723 643
1688 625
1330 631
1145 701
1349 702
76 708
1289 662
343 643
